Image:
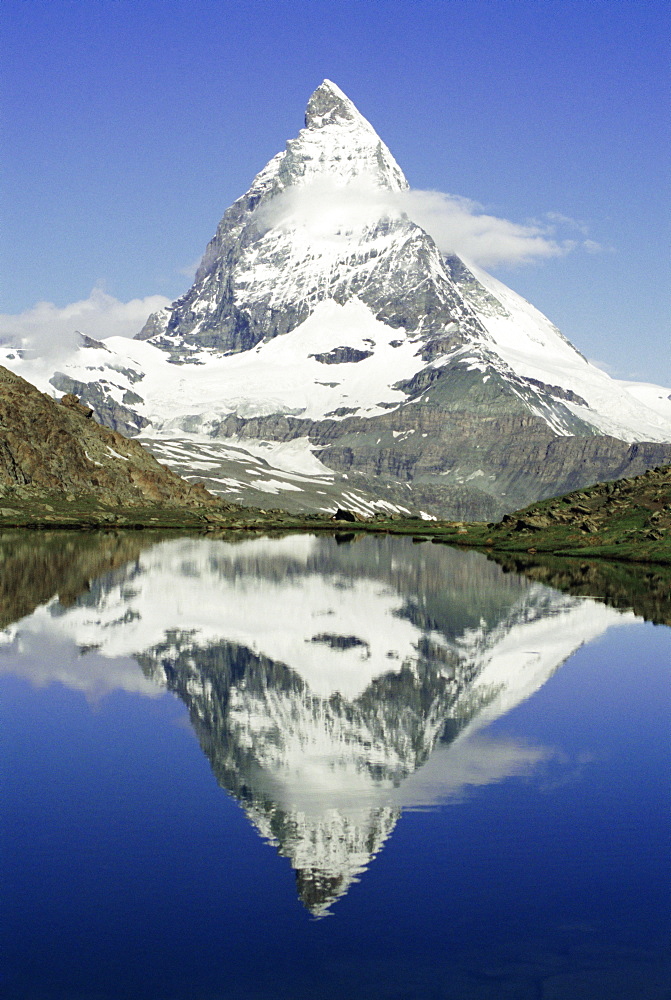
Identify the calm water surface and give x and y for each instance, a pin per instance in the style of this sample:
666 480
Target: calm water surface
318 767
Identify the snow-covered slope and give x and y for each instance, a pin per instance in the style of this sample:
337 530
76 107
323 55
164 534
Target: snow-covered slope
535 349
322 680
322 313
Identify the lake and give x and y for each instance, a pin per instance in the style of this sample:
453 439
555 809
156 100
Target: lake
337 767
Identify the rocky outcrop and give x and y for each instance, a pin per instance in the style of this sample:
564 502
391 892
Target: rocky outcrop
118 416
59 447
597 509
342 355
627 520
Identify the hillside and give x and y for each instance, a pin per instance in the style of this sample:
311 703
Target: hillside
53 456
59 467
629 519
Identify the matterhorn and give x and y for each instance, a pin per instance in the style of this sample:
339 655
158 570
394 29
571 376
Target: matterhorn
328 354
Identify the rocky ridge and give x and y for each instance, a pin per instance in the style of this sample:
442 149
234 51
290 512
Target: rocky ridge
52 446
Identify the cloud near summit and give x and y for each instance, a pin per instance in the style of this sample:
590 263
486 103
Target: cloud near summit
324 211
458 225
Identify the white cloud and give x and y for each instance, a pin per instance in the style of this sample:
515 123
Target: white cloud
472 761
458 225
591 246
49 330
566 220
42 657
324 211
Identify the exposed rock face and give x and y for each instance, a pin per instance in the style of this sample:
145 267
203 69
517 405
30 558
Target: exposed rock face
496 463
639 506
118 415
229 309
625 520
322 313
57 446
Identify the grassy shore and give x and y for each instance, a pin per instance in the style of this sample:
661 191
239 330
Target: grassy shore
628 520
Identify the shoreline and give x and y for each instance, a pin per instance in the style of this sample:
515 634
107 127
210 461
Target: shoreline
625 521
472 535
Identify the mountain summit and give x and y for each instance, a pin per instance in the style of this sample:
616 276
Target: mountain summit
304 233
329 106
329 353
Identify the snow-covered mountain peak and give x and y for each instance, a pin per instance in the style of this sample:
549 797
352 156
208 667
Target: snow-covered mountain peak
328 104
324 321
318 223
337 144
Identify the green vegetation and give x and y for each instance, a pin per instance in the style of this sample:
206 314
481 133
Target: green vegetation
628 520
27 507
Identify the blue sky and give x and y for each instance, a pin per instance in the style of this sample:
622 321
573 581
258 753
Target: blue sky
131 126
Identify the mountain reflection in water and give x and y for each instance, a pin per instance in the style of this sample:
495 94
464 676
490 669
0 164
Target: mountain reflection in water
330 686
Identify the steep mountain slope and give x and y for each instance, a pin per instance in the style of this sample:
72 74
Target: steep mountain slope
327 352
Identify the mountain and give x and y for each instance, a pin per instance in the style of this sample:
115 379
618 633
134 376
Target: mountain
329 354
331 686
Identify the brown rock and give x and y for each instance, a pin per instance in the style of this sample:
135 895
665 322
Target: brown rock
51 447
69 399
